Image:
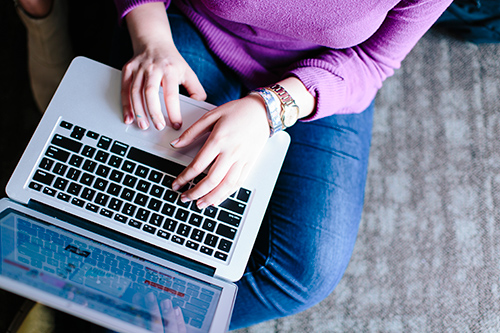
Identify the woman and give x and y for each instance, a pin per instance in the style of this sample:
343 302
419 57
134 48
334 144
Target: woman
328 59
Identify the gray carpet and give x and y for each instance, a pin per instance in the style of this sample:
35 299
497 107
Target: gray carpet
426 259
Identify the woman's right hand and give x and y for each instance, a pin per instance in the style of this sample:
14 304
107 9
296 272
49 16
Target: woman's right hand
156 62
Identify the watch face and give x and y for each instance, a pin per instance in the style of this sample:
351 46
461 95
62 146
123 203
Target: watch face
290 116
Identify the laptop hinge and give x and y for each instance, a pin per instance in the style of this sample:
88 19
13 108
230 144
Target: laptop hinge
121 238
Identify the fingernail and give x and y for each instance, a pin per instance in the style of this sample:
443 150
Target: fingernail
128 119
142 125
160 126
173 143
184 198
202 204
176 126
178 311
175 186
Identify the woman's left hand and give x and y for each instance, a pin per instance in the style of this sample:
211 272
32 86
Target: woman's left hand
239 130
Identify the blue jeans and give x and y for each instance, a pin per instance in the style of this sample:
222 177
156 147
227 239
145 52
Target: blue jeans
309 230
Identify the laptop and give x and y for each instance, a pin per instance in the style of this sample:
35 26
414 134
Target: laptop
92 227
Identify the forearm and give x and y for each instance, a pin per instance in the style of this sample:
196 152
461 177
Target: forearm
148 25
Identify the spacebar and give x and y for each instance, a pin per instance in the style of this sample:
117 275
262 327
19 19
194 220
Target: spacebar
155 161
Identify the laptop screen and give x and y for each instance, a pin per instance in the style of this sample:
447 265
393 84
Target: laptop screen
101 283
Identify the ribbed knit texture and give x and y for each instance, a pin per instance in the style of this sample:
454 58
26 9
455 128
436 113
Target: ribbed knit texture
341 50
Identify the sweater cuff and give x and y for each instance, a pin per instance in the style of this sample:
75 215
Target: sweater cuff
328 89
124 7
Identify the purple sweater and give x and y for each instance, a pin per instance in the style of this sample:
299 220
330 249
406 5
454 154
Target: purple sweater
342 50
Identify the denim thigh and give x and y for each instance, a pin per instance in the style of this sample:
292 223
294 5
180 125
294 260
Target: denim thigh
311 224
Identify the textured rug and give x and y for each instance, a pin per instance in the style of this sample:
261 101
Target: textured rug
426 259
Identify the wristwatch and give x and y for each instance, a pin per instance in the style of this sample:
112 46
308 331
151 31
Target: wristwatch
289 109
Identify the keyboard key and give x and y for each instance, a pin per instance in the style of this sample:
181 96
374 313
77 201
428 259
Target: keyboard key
73 174
229 218
127 194
60 169
154 204
128 166
183 229
168 209
170 196
114 189
102 171
92 135
141 199
163 234
142 214
115 204
194 207
49 191
57 153
46 164
155 176
104 143
75 161
206 250
224 245
92 207
101 199
197 235
135 224
129 181
116 176
170 225
211 240
66 143
66 125
141 171
220 255
43 177
105 212
182 215
101 156
35 186
88 151
129 209
115 161
89 165
119 148
88 194
226 231
167 181
77 202
149 229
192 245
61 183
87 179
183 204
77 133
177 239
234 206
156 220
74 188
155 161
195 220
210 211
120 218
209 225
63 196
100 184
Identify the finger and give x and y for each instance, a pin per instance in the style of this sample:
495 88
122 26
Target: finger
154 311
224 188
153 80
194 87
128 114
181 324
218 171
200 127
201 161
172 102
136 93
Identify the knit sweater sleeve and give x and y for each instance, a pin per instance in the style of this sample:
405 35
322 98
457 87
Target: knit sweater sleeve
346 81
123 7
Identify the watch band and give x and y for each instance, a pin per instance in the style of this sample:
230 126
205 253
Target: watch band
289 109
273 109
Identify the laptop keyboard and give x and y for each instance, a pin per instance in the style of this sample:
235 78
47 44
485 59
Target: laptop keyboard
133 187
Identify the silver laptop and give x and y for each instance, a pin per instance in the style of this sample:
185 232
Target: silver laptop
92 227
